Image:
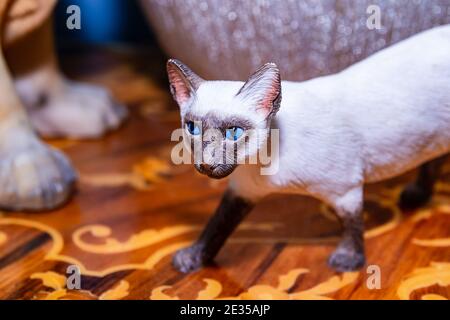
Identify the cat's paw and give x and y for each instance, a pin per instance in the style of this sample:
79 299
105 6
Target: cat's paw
413 197
33 175
73 110
188 260
346 259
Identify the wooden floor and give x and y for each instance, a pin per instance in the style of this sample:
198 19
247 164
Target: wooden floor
133 209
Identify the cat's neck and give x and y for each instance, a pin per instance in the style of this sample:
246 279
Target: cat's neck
302 99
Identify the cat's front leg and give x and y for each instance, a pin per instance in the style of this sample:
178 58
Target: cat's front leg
349 255
231 211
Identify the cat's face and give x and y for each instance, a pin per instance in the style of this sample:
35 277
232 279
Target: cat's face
225 122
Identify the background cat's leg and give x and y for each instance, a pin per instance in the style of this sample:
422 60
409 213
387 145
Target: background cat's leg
420 192
33 176
349 255
58 107
231 211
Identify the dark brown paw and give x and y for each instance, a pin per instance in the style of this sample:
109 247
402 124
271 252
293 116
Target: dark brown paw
413 197
188 260
344 260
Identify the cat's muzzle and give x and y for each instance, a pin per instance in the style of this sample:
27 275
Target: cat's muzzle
216 171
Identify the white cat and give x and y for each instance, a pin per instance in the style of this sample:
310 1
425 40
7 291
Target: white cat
373 121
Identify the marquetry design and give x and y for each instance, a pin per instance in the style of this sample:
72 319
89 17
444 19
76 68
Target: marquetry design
141 176
428 214
107 244
50 279
435 274
56 289
139 240
145 238
120 291
286 282
134 242
111 245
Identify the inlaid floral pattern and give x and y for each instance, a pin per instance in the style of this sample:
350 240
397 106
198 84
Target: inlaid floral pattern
427 214
56 284
436 273
213 289
99 240
141 176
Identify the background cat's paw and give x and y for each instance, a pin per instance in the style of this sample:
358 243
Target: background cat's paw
76 111
413 197
345 260
35 177
188 260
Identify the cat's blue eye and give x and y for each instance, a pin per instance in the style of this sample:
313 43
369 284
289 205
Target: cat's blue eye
234 133
192 128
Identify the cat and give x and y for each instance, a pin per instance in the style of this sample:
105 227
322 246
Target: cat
375 120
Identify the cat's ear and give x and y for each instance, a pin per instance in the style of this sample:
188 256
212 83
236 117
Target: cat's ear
183 81
263 90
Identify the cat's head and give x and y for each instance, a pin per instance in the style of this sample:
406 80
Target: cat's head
225 122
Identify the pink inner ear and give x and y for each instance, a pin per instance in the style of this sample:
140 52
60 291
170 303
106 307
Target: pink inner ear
268 99
179 84
263 89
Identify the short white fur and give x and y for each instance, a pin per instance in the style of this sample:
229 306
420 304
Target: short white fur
373 121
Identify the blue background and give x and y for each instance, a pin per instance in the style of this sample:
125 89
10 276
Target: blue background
103 22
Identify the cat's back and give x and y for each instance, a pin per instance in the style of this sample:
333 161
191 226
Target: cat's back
415 62
400 85
395 103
